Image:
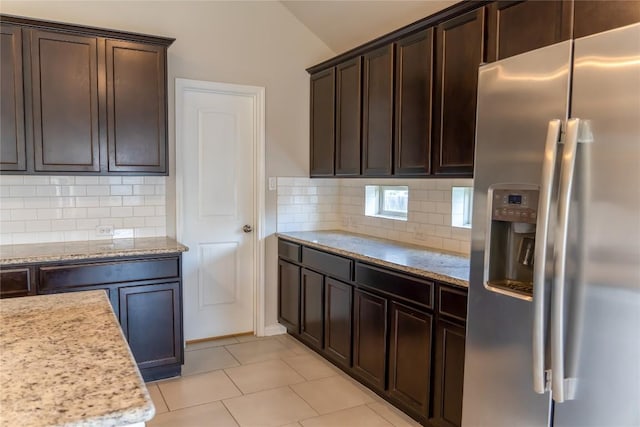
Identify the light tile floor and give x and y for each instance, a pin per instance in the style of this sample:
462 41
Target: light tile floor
273 381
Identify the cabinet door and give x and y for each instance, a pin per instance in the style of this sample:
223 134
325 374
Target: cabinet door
64 102
12 142
460 52
348 79
377 112
596 16
414 86
448 374
370 338
16 282
323 104
289 296
515 27
337 321
136 107
151 319
312 310
410 357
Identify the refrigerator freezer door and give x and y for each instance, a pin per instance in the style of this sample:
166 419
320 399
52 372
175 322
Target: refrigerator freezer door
602 336
517 97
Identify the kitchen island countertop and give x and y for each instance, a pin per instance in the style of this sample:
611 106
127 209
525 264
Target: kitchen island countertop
64 361
89 249
422 261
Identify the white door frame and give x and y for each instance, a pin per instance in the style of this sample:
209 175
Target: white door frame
258 163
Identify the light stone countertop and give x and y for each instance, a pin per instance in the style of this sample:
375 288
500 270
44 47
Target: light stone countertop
64 362
68 251
422 261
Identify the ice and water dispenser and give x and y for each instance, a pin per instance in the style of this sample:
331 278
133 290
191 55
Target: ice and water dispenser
510 240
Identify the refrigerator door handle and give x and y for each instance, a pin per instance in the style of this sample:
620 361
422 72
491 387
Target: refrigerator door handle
540 384
561 387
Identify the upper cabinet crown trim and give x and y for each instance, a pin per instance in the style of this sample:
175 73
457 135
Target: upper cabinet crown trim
86 31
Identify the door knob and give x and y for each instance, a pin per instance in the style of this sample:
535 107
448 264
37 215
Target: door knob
247 228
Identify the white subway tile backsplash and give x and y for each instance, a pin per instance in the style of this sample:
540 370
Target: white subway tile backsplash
111 201
121 211
74 212
38 209
61 180
122 190
320 204
132 179
63 225
110 180
98 190
87 180
22 191
38 225
37 202
144 211
132 200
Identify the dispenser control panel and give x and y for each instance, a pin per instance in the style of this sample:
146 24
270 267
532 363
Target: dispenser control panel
515 205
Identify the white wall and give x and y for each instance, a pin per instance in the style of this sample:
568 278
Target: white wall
254 43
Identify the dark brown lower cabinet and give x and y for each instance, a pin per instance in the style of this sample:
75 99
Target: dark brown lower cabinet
145 293
337 321
289 296
312 308
149 324
448 375
410 358
401 335
370 338
16 282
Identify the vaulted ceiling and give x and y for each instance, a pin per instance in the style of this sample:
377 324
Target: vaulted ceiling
345 24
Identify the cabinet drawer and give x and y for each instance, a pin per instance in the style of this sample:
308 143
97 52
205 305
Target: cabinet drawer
333 265
289 250
408 288
70 276
15 282
452 302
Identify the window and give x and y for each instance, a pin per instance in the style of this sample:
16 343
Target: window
461 206
387 201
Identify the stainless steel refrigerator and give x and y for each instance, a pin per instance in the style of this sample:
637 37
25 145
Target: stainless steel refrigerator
553 327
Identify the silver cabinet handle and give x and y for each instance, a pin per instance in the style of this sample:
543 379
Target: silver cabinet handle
540 256
247 228
558 290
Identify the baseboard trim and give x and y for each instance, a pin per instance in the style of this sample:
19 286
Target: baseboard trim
275 329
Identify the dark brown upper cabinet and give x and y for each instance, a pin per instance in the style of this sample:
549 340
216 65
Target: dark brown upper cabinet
136 106
591 17
516 27
348 118
64 102
460 43
377 112
95 100
323 104
414 88
12 140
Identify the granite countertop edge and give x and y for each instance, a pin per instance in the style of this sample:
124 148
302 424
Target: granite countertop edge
428 274
86 250
119 398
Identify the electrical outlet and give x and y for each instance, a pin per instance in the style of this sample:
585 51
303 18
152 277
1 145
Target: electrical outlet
273 184
104 230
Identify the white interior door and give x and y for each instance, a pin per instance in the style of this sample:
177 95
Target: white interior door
217 135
